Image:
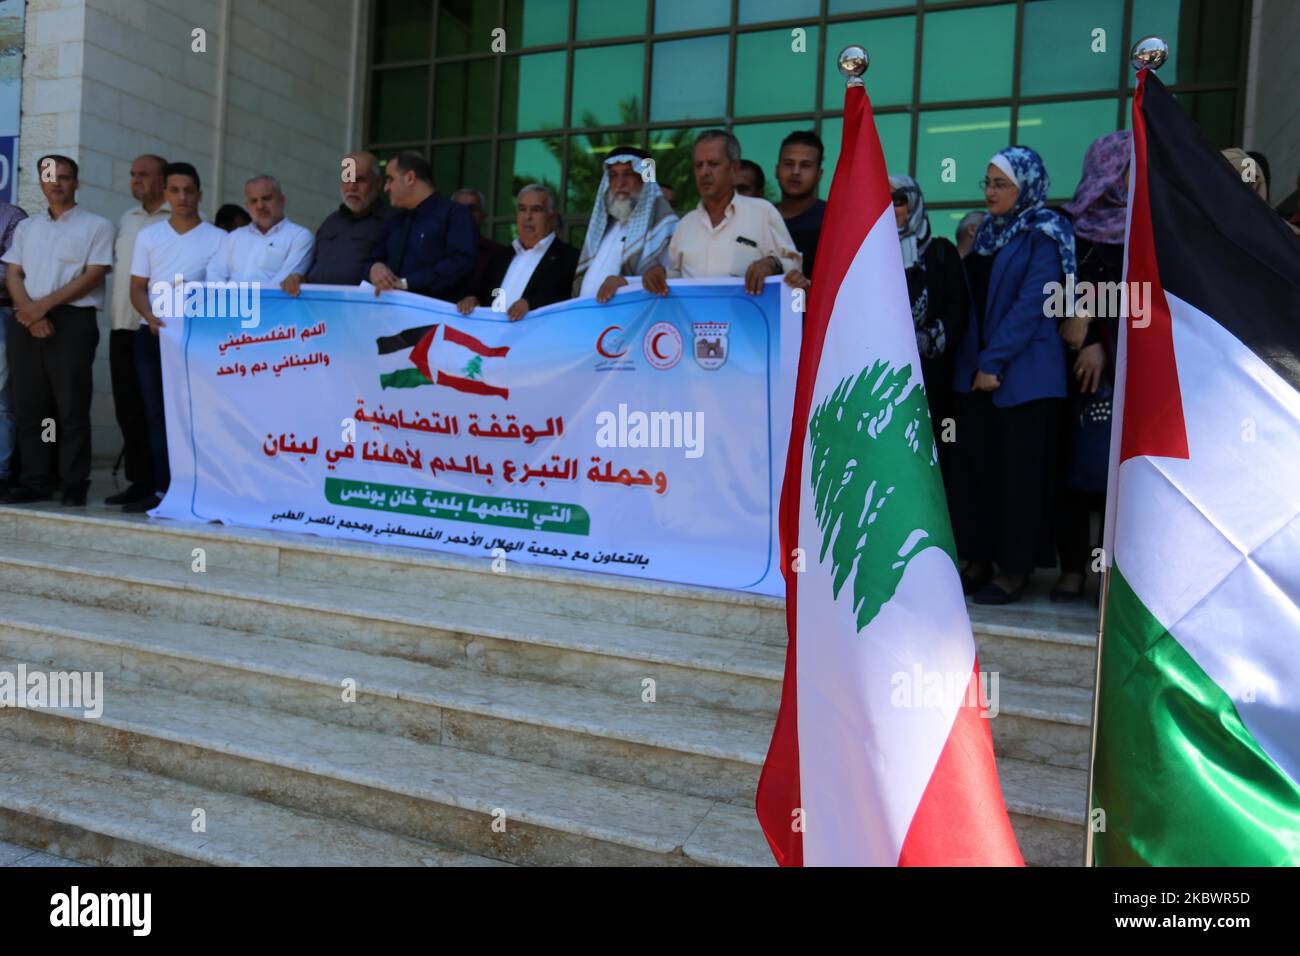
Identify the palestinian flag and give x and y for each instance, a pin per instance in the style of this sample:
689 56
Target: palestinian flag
1197 759
441 355
880 755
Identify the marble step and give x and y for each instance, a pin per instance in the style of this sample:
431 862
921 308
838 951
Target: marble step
436 575
708 753
735 674
96 812
474 803
1033 639
614 732
404 787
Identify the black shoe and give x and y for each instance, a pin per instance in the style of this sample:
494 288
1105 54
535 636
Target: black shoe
138 491
22 495
75 495
972 583
1060 595
143 505
992 594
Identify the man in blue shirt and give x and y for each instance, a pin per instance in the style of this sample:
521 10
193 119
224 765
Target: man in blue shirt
431 244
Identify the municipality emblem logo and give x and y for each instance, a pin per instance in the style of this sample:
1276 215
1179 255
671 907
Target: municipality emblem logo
711 343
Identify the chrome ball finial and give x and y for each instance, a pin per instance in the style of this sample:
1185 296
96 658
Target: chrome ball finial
1149 53
853 62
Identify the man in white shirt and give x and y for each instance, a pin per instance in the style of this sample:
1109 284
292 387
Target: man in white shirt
57 264
630 226
183 245
536 271
147 184
270 248
727 234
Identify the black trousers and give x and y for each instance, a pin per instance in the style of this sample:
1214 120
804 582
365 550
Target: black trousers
1004 481
148 367
52 384
128 406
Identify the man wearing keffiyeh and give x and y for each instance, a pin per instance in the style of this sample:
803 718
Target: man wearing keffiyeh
630 226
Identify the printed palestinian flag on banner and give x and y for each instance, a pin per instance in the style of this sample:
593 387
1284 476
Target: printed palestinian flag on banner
442 355
1197 759
865 767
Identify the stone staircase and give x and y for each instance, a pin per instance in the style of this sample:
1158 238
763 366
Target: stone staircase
318 702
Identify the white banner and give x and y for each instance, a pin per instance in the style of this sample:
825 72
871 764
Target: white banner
644 437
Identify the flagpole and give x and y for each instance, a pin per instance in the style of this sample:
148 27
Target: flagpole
1150 52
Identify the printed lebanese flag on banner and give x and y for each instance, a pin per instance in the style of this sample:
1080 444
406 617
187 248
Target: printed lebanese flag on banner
441 355
880 755
1197 758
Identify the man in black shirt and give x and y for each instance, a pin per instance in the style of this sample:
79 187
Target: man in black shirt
346 237
798 173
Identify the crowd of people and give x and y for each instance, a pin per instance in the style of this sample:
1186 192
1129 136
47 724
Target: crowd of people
1019 397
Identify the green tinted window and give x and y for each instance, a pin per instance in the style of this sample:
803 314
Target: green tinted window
956 145
690 79
598 19
1061 134
967 54
607 85
462 97
895 131
524 161
673 15
1063 54
672 151
761 143
465 26
1204 37
402 30
758 11
399 104
775 73
463 165
536 22
863 6
532 97
891 44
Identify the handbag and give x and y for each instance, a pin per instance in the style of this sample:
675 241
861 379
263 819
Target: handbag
1088 463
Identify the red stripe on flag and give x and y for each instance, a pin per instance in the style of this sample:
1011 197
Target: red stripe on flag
471 385
420 354
859 195
1153 402
464 339
944 831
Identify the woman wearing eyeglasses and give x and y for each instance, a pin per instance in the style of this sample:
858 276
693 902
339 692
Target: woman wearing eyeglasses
1010 381
940 306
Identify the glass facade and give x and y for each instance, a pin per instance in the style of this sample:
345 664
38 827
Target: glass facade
499 93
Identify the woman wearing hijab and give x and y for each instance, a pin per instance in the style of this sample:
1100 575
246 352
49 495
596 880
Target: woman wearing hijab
1010 380
1099 211
940 304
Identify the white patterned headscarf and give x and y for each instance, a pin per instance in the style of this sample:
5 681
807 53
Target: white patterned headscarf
648 230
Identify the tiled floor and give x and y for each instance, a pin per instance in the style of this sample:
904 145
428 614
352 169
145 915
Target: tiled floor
13 855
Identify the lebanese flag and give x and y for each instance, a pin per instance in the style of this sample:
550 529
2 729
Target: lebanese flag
880 755
441 355
1197 755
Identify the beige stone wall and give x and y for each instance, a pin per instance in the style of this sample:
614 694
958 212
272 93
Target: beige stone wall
106 80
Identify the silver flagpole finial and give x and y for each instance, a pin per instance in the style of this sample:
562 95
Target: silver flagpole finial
853 62
1149 52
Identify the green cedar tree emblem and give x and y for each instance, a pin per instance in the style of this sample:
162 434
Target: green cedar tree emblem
474 368
877 492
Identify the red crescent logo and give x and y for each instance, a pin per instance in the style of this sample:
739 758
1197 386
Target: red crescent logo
654 347
600 343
